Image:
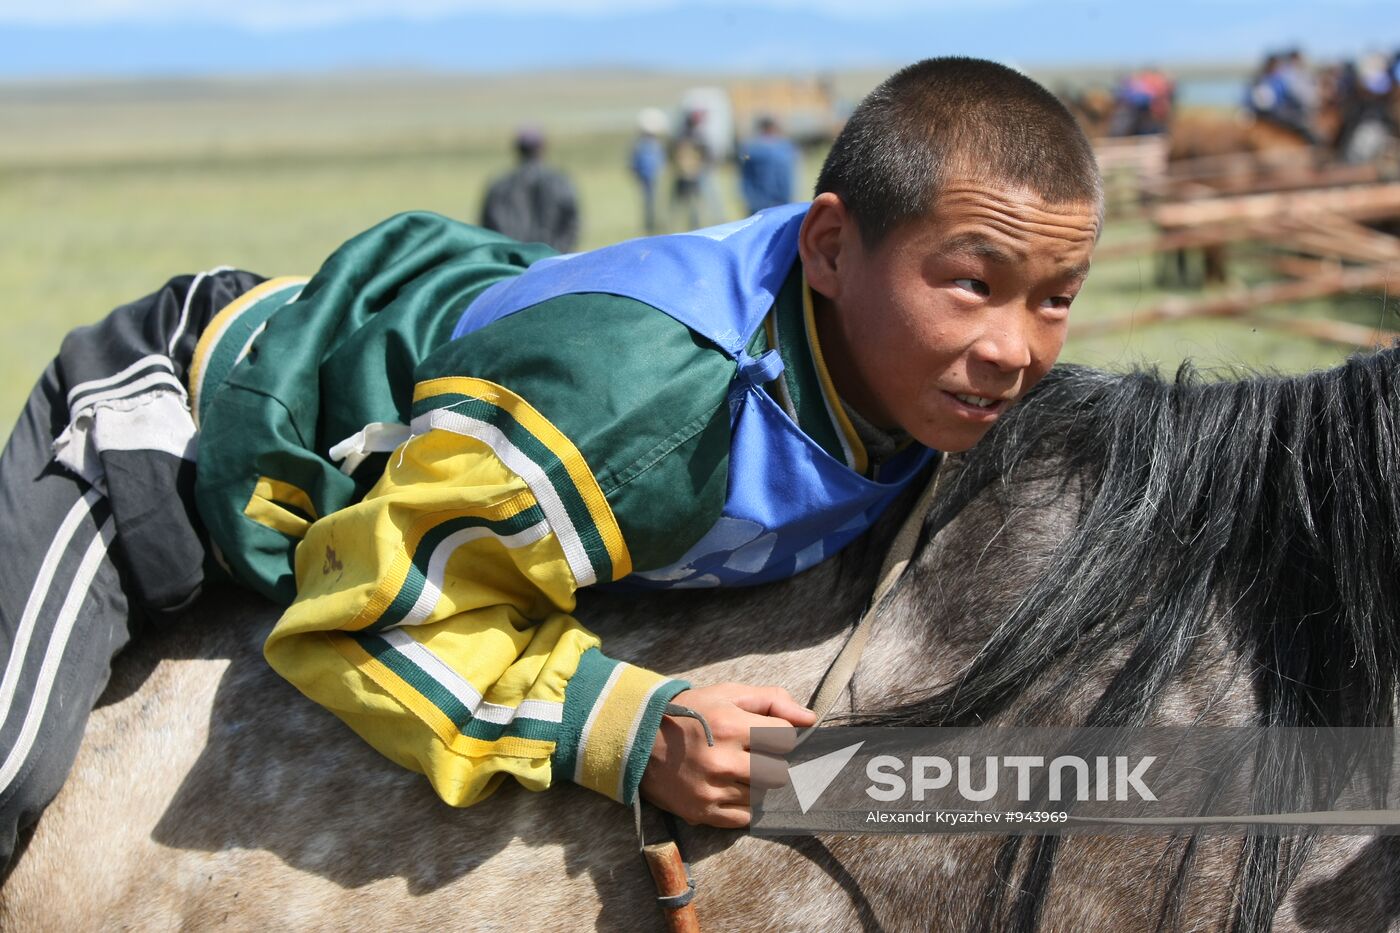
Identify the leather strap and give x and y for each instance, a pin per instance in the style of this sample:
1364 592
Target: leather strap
675 888
843 668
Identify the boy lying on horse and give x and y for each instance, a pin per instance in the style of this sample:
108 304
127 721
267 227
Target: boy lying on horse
425 449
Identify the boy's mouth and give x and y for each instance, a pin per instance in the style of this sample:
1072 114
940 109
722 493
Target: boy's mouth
979 406
977 409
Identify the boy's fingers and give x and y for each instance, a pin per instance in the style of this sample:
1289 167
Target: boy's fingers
727 817
753 769
771 725
729 768
794 712
725 805
737 796
767 771
771 737
735 726
775 701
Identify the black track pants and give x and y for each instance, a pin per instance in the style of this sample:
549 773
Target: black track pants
97 527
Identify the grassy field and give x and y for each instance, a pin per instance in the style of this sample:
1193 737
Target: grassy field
108 189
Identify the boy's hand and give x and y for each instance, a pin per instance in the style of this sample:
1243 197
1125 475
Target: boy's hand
704 785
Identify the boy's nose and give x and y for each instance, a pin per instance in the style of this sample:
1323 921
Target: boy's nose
1004 346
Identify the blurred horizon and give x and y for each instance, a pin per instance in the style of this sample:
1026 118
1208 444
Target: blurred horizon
200 38
145 138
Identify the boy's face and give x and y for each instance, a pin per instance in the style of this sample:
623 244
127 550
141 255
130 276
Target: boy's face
951 318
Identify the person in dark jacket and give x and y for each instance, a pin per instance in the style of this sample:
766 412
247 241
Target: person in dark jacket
534 203
767 168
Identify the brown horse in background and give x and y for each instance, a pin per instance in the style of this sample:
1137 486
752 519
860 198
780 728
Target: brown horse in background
1214 151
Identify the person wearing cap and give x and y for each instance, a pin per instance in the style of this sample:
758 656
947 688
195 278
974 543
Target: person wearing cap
534 203
648 159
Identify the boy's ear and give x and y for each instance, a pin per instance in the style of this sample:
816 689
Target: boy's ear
819 242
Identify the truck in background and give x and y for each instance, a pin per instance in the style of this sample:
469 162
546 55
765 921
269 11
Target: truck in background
806 109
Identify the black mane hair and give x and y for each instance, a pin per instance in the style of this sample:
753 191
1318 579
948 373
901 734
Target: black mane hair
1267 505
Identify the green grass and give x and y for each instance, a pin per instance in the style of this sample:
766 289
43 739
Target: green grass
107 190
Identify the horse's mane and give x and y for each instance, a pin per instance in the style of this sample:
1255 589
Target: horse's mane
1266 505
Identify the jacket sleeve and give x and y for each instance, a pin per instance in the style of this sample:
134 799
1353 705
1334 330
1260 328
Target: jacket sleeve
433 617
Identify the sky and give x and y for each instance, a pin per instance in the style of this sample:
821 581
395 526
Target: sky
42 39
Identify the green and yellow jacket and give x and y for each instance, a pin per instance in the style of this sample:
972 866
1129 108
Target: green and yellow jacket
601 402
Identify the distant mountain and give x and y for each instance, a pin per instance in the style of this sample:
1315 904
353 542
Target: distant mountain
711 37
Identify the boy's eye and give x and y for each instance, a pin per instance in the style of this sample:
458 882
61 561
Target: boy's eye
1059 302
976 286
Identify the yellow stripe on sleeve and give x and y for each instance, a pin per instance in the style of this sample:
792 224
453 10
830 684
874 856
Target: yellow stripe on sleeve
266 507
280 491
397 571
420 706
219 324
559 445
607 738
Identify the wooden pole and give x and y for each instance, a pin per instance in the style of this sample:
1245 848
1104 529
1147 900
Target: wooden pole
669 874
1348 335
1260 182
1322 234
1359 202
1238 302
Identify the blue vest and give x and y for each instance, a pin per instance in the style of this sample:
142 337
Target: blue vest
789 503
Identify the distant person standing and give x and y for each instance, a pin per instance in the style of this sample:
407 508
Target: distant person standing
692 160
533 203
648 160
767 168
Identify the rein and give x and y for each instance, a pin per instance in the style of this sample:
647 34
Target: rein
838 676
675 887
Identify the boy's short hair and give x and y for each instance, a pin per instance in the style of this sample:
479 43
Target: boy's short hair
964 114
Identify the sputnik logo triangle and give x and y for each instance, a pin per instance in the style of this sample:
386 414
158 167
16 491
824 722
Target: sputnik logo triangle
811 778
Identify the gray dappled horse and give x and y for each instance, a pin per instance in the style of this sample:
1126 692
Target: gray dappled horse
1119 551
